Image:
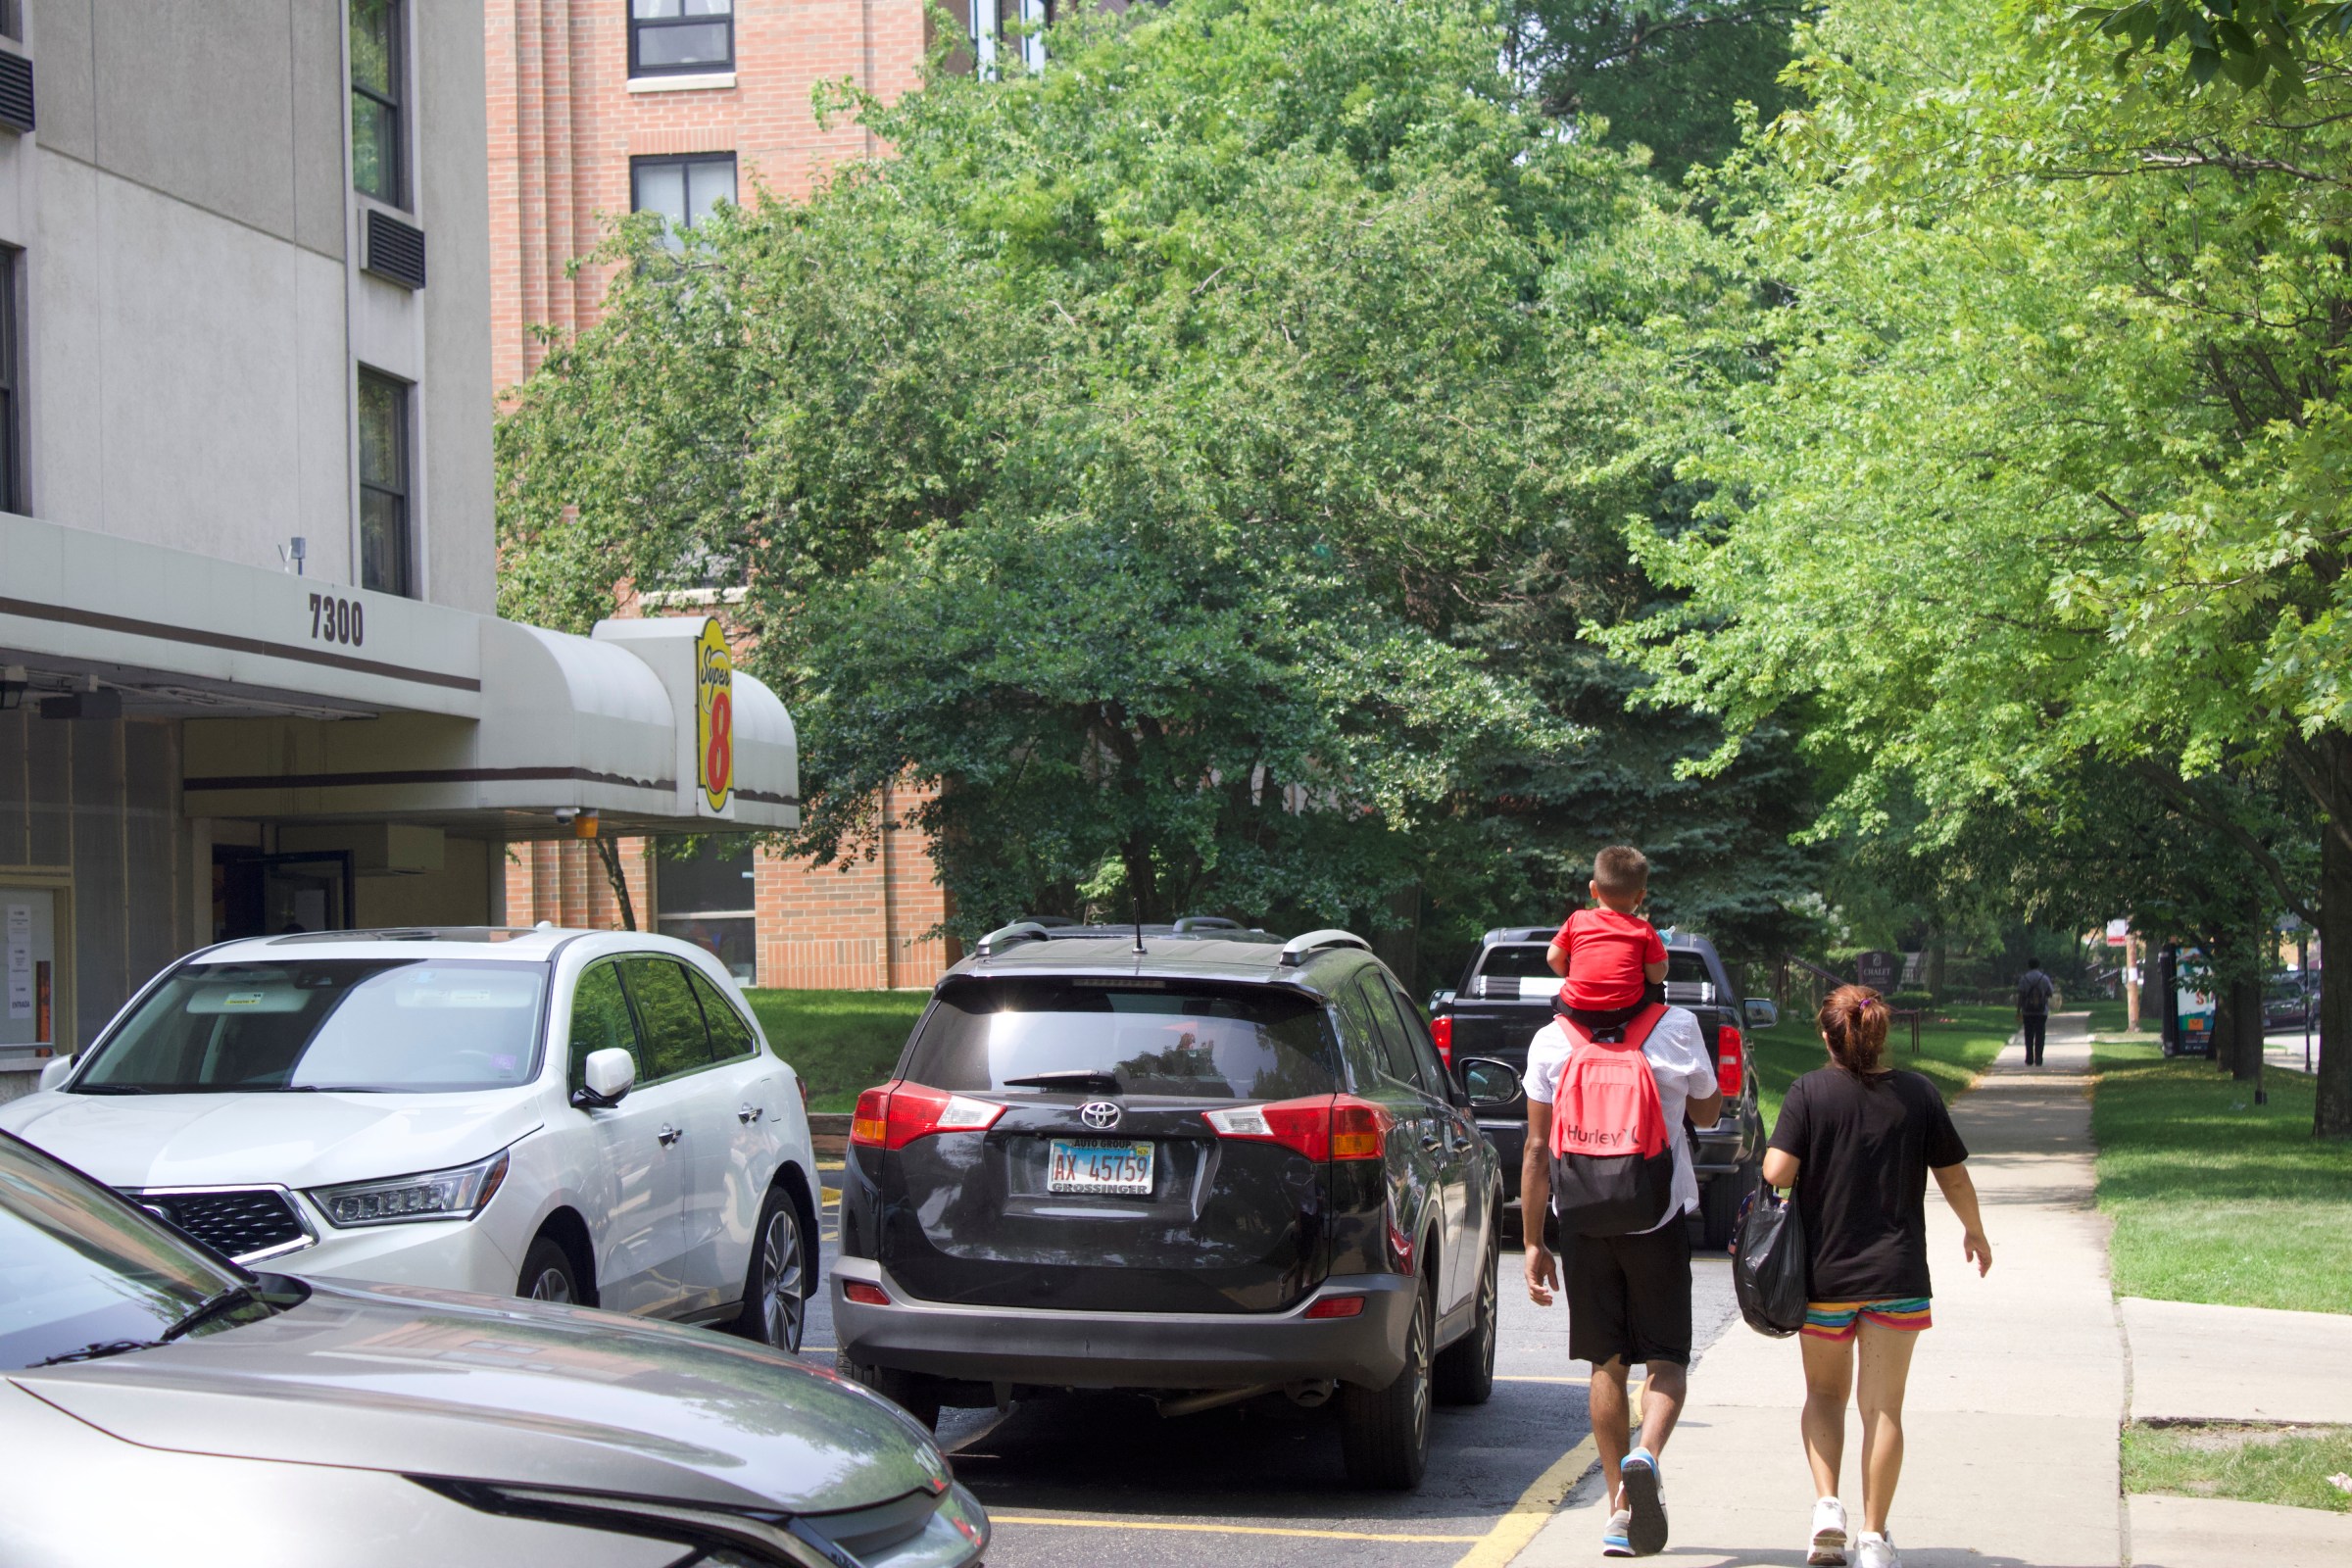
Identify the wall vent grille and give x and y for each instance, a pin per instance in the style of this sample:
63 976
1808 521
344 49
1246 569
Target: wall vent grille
15 91
395 250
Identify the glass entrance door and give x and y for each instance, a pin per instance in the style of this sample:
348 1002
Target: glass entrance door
272 895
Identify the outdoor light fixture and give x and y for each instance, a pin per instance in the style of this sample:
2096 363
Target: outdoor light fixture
15 682
583 825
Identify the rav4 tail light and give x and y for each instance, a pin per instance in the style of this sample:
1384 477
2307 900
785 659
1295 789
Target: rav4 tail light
1441 1030
897 1113
1730 1057
1332 1127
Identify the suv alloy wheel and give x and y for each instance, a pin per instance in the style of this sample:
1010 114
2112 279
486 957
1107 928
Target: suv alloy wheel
775 1296
1383 1433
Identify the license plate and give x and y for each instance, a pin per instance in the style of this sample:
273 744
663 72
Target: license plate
1093 1166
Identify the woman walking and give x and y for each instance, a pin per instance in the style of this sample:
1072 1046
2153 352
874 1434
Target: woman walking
1857 1141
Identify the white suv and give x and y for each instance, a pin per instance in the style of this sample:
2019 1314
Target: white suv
586 1116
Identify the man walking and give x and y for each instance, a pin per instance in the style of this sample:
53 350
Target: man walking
1629 1294
2034 992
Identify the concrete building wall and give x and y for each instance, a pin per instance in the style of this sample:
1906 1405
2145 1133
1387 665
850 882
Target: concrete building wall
193 308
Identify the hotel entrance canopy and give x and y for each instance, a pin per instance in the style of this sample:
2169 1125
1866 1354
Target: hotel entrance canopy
313 701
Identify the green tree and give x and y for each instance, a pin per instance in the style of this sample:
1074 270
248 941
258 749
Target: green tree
2025 428
1667 74
1126 453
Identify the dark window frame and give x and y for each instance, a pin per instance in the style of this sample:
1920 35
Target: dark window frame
12 20
696 67
15 494
684 162
404 495
395 152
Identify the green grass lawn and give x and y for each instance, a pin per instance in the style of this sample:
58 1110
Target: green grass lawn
838 1041
2251 1464
1951 1051
2214 1198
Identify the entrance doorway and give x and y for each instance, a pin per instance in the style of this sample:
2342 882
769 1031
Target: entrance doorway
272 895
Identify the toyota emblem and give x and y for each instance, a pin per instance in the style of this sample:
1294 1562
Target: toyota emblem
1100 1114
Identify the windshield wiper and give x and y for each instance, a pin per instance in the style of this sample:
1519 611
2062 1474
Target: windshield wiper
1075 1078
100 1350
212 1307
327 1089
110 1089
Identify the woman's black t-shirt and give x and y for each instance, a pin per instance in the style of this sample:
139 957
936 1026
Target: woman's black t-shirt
1864 1147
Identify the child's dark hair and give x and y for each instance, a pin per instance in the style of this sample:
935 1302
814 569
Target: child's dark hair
1853 1020
1621 870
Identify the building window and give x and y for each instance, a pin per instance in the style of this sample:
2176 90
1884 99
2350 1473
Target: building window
13 495
681 38
375 100
705 898
12 20
682 190
385 554
999 23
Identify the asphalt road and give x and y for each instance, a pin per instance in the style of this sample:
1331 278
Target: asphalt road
1105 1480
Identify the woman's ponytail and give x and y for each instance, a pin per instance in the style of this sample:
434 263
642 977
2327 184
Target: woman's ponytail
1853 1020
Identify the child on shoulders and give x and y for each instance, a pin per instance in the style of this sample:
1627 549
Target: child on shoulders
1609 956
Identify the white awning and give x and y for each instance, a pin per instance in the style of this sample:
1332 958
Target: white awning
313 701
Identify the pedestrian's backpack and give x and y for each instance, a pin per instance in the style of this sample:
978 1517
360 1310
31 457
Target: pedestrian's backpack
2033 990
1612 1165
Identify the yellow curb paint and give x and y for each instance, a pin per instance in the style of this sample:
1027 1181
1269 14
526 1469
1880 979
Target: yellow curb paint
1533 1511
1213 1530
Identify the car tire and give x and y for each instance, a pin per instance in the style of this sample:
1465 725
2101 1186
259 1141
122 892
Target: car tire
776 1280
1718 1204
911 1391
1464 1373
548 1274
1383 1433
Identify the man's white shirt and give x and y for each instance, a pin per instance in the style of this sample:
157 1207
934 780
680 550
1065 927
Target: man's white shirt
1680 1065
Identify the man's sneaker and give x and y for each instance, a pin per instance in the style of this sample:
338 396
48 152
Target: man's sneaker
1829 1535
1874 1550
1614 1541
1646 1501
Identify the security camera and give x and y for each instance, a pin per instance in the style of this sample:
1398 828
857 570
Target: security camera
565 814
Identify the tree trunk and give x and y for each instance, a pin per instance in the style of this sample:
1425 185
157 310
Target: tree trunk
2332 1116
2134 986
2224 1039
2245 1059
609 852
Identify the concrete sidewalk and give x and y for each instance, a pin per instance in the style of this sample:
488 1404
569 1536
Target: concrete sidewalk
2015 1396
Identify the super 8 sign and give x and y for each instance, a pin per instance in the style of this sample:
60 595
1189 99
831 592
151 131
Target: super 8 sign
715 718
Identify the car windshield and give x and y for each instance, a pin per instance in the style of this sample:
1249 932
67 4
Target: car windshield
79 1268
1080 1036
410 1025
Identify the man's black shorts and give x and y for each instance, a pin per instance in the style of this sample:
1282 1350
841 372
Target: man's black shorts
1630 1296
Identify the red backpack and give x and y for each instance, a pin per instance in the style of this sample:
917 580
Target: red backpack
1612 1165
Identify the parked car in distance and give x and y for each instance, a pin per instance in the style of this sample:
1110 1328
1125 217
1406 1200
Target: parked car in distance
1205 1165
159 1404
2290 999
568 1115
1506 993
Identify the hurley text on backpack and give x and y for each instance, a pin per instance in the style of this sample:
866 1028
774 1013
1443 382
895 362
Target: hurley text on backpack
1612 1167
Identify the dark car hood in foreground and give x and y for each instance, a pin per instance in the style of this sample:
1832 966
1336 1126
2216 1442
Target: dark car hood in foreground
430 1383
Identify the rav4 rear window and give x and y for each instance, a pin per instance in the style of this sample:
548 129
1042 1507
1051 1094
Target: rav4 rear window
1177 1042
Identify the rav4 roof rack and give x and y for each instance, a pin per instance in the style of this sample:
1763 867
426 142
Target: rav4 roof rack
1006 936
1295 951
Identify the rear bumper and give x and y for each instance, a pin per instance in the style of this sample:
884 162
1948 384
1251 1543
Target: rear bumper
1041 1347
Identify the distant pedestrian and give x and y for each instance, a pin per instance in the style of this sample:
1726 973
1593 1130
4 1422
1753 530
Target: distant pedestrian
1857 1141
2034 992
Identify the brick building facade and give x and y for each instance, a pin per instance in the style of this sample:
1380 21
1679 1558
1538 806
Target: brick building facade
598 107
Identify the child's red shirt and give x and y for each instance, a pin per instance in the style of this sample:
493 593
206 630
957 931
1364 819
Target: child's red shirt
1605 954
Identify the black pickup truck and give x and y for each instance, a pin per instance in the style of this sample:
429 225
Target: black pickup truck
1506 995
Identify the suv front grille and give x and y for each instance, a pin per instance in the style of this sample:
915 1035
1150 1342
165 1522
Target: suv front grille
245 1223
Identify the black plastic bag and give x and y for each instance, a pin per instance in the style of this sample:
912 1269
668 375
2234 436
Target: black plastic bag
1768 1264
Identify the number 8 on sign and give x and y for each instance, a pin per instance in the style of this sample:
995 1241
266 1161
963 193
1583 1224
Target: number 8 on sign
715 718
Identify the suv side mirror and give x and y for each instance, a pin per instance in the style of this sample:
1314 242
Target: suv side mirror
1491 1085
54 1071
1761 1013
607 1076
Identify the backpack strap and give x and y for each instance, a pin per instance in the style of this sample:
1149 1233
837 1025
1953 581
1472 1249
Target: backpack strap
1635 1032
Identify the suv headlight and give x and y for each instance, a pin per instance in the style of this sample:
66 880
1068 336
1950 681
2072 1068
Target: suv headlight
455 1194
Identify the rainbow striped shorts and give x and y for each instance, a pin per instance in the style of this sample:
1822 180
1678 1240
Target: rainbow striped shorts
1836 1320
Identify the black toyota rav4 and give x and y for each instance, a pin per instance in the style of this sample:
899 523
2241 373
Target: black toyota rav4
1203 1165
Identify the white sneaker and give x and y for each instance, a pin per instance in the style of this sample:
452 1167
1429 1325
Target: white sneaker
1874 1550
1829 1535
